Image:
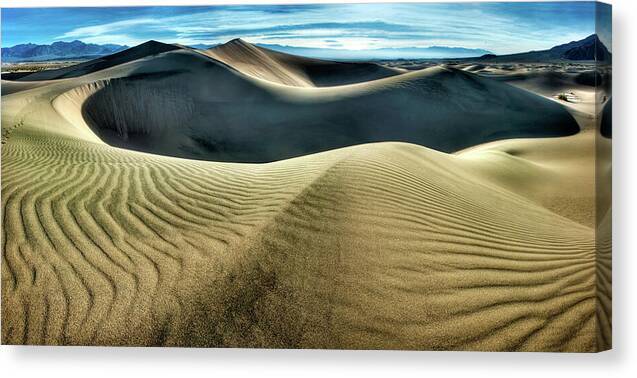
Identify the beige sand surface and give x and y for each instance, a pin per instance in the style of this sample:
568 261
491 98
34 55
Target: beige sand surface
383 245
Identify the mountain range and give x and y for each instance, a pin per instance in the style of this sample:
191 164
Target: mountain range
80 50
58 51
432 52
589 48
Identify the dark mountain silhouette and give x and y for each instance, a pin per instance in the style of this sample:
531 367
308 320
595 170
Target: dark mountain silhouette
589 48
57 51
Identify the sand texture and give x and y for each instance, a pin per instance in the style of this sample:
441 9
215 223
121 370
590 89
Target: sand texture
237 197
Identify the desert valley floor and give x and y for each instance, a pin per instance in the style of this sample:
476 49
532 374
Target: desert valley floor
168 196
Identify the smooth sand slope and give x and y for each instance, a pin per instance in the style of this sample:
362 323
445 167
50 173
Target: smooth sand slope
385 245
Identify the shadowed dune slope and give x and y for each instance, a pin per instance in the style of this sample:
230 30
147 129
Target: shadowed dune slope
551 82
237 118
606 128
146 49
294 70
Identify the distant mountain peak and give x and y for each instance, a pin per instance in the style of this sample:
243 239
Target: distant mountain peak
590 40
590 48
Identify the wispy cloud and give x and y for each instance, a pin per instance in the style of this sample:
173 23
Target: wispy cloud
121 39
105 29
499 27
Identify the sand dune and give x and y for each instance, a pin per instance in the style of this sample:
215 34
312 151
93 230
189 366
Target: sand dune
442 108
12 86
584 85
144 50
607 119
295 70
383 245
549 83
590 93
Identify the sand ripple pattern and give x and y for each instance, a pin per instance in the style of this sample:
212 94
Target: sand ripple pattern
374 246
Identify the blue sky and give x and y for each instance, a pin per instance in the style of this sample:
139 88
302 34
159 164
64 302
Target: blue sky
499 27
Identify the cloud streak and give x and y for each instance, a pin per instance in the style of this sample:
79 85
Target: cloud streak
499 27
104 29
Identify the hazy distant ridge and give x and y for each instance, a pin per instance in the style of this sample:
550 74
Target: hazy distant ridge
79 49
431 52
589 48
58 51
